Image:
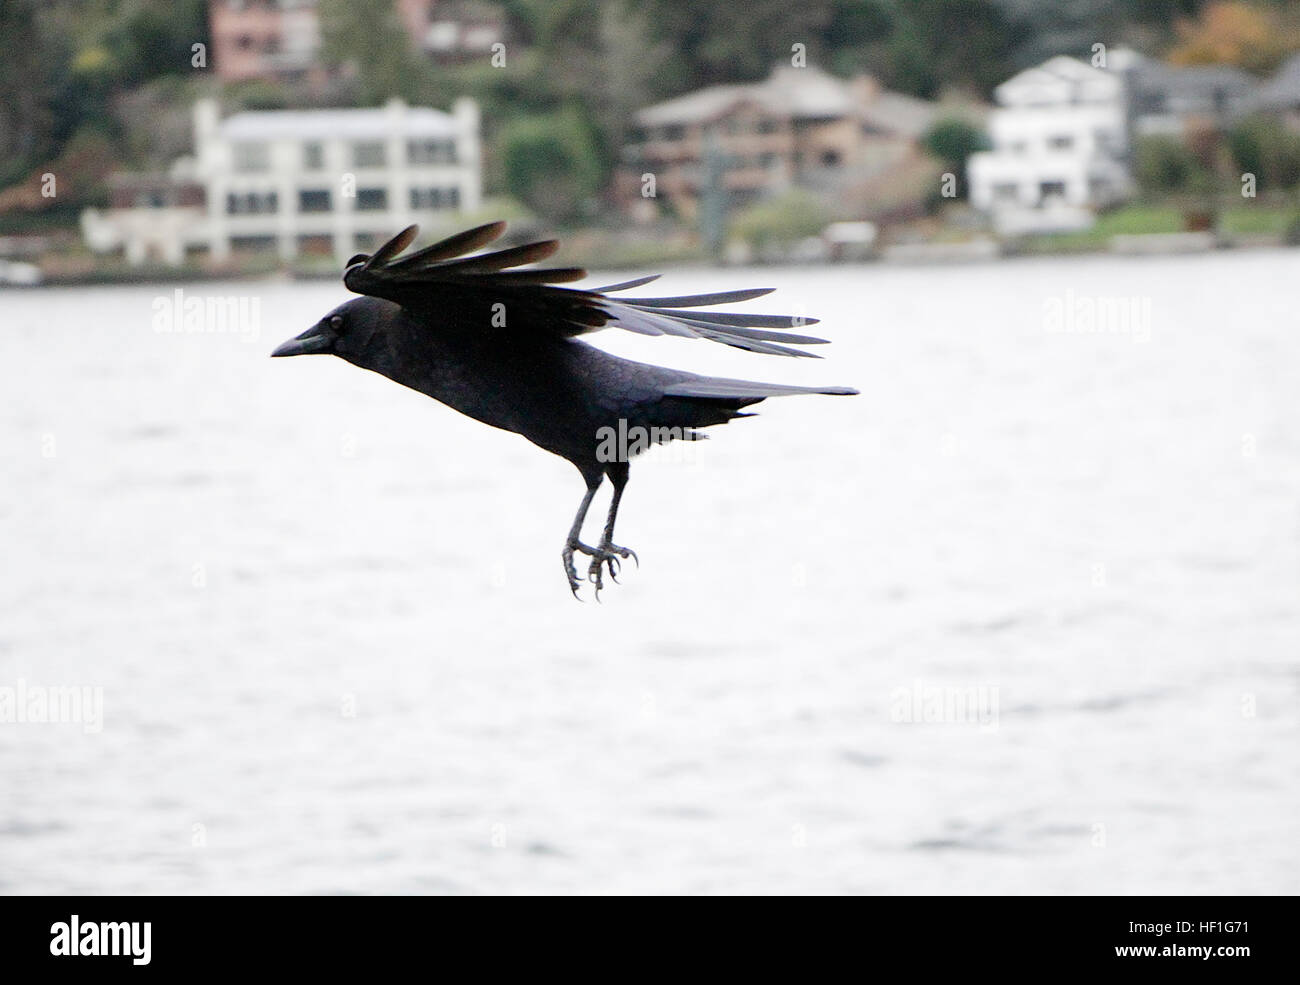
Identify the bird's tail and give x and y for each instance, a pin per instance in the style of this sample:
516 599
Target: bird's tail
706 401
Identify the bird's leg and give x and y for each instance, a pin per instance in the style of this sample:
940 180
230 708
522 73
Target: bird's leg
608 552
573 543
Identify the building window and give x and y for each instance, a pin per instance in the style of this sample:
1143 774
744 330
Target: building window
435 198
252 157
1060 142
251 203
830 159
316 244
674 131
1051 189
1006 192
767 126
313 155
369 155
252 244
431 151
372 199
313 200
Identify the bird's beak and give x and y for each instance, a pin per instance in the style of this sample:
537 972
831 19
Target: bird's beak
318 338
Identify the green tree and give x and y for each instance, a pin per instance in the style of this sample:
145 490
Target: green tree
550 163
28 78
734 42
952 141
367 35
153 39
63 63
940 43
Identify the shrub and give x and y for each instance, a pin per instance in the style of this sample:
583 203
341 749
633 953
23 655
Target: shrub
781 220
1165 164
1265 148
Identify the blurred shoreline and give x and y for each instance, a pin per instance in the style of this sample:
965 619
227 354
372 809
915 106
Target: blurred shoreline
599 249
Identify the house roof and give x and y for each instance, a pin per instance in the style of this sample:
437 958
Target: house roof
898 113
414 121
703 104
1046 82
1059 68
1192 80
807 93
797 93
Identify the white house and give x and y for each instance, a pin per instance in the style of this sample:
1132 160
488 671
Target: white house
332 181
1059 138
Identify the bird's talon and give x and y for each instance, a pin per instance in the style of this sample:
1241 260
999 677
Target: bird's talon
570 571
606 558
623 552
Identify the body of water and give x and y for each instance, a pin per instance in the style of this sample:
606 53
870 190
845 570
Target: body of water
1022 617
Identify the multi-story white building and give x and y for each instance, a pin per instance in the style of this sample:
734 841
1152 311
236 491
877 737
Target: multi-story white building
334 181
1060 137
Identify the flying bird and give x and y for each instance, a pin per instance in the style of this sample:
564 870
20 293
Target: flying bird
499 344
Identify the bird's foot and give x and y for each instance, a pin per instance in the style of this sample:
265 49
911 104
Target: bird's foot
610 555
570 571
606 554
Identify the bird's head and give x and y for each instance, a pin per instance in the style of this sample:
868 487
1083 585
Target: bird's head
355 331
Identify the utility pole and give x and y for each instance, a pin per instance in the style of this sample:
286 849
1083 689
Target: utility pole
713 197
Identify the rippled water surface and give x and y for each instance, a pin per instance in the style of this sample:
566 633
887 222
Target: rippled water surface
337 653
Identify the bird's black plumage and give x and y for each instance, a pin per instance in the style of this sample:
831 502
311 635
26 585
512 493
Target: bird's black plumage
498 343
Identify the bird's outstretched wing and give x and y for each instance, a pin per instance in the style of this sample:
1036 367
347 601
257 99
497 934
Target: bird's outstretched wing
488 288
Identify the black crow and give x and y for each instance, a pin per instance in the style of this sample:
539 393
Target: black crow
498 344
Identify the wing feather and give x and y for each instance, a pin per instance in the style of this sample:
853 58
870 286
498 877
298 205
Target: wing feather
449 278
626 285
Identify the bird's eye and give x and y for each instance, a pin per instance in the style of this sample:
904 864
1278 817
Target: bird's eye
336 322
